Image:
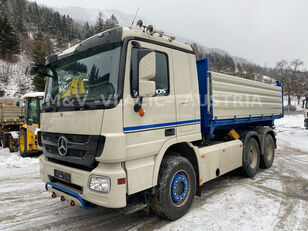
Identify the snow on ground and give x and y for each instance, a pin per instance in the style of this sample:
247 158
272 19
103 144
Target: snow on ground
276 199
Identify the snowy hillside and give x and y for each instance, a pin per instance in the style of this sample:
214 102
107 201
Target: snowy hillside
13 80
83 15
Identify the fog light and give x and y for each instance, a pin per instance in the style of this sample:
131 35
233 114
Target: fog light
100 184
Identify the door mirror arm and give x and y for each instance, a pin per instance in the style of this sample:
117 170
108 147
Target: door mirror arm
138 105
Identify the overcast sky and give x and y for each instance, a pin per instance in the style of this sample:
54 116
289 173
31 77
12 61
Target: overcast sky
262 31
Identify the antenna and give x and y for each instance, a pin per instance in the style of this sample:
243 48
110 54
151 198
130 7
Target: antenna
134 18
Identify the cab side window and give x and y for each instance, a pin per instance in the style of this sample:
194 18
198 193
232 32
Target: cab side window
162 74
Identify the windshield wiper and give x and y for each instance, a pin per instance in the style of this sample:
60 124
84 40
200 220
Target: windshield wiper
49 108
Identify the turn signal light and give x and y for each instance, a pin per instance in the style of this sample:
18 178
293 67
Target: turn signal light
121 181
62 198
54 195
141 112
73 203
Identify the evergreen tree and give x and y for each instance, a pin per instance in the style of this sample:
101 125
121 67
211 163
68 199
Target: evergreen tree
239 68
9 40
18 14
87 31
99 26
111 22
42 47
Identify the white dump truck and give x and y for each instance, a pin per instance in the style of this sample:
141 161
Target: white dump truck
130 120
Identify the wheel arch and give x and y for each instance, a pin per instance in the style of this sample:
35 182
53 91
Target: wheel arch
246 135
184 149
262 133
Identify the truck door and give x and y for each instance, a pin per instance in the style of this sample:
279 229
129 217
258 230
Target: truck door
187 96
146 135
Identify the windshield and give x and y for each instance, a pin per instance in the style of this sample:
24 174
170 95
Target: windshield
83 78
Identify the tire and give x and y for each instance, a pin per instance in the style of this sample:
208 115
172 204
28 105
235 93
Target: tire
11 144
251 158
176 177
23 143
269 152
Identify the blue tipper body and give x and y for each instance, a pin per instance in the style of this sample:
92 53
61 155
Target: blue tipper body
208 123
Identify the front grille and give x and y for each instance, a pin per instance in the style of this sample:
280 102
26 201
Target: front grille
81 149
70 152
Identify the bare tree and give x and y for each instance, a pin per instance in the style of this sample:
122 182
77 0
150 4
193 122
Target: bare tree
301 86
289 75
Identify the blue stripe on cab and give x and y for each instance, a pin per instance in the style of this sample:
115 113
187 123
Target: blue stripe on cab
135 128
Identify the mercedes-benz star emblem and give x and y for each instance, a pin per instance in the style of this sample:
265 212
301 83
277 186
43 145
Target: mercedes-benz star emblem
62 146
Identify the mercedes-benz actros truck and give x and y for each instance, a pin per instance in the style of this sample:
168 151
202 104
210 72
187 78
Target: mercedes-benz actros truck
130 120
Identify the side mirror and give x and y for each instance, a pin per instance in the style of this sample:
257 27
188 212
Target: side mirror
146 71
32 71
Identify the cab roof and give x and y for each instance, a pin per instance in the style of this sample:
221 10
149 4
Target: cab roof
33 95
117 35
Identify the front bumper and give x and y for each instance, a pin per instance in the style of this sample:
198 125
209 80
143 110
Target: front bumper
116 198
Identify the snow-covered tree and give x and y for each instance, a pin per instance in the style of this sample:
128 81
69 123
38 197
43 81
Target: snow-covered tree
99 25
9 40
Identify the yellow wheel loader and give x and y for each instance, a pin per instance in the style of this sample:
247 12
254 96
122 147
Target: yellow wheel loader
28 135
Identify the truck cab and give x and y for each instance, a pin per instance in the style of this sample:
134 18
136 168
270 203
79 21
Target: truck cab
121 125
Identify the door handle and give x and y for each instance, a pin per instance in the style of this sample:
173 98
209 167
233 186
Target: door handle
170 132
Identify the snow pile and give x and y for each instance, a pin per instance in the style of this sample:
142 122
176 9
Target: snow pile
292 133
291 121
14 160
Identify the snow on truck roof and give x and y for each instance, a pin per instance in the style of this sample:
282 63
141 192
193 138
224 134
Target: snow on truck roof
33 94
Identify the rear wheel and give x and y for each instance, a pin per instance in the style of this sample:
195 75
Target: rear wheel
23 143
251 158
269 152
176 188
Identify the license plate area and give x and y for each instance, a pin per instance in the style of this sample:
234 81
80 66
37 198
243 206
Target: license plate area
58 174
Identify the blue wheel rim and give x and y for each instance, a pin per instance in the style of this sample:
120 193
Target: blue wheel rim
179 188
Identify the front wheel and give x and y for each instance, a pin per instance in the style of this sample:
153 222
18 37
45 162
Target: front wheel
23 143
176 188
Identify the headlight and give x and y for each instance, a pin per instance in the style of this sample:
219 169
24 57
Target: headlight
100 184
